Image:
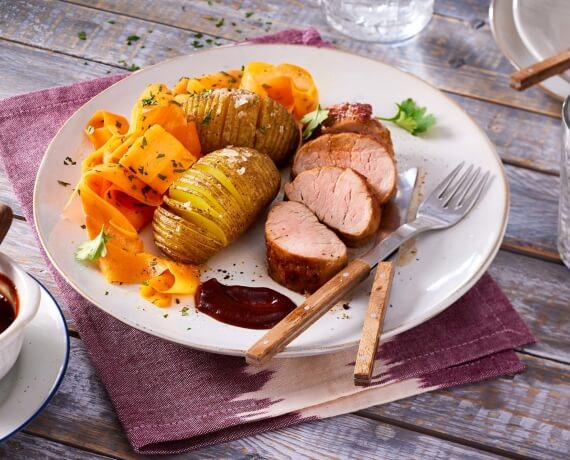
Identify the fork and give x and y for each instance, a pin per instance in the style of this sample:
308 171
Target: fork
447 204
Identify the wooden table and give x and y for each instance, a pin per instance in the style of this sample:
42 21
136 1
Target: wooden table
521 417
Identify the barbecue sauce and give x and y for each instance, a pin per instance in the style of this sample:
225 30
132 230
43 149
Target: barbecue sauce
8 310
242 306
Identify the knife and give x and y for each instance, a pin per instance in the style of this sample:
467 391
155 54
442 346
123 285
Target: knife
380 292
316 305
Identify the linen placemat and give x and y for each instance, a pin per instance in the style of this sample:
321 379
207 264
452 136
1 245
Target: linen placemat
172 399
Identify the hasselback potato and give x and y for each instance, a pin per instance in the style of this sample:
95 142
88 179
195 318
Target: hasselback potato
243 119
214 202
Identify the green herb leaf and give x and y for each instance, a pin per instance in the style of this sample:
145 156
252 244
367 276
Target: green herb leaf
412 117
63 183
132 38
313 120
82 35
249 14
94 249
220 23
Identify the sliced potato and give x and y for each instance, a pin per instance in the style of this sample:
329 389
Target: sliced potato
243 119
214 202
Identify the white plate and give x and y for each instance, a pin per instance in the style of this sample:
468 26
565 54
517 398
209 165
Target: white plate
39 370
450 262
501 18
544 27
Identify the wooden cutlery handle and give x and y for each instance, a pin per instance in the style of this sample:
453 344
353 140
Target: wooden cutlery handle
540 71
307 313
373 322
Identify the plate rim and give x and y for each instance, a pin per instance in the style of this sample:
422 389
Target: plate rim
507 54
322 349
62 371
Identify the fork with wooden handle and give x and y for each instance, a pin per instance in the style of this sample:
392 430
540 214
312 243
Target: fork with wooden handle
450 202
535 73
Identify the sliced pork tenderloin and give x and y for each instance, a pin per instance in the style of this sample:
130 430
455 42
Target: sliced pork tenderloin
302 253
341 199
355 151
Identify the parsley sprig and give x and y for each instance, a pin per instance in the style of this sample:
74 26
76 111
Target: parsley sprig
412 117
313 120
94 249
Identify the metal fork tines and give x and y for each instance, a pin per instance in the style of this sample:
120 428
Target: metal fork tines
450 201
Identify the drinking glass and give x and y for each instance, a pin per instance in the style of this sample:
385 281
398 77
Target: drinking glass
383 21
564 209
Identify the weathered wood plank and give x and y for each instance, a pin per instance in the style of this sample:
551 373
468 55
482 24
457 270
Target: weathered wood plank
450 49
23 446
525 415
346 437
42 69
533 404
533 217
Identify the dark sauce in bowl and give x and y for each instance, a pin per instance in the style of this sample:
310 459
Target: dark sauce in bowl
8 303
242 306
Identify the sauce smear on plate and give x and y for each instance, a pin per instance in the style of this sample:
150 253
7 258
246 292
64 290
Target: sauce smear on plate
7 309
242 306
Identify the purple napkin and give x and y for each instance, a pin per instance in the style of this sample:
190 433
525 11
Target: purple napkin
172 399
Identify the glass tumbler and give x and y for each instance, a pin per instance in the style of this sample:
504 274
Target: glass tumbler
564 209
383 21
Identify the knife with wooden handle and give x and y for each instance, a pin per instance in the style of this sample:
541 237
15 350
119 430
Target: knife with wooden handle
380 292
306 314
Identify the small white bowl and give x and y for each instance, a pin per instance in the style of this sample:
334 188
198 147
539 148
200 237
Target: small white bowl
28 302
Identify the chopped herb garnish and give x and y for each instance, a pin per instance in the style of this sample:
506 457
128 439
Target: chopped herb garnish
198 35
165 315
149 100
69 161
82 35
207 118
249 14
131 67
63 183
220 23
162 177
94 249
132 38
184 311
111 22
106 292
141 170
179 170
262 130
412 117
84 226
160 155
197 44
144 143
90 129
313 120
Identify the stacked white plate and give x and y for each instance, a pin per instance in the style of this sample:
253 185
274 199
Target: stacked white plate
528 31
